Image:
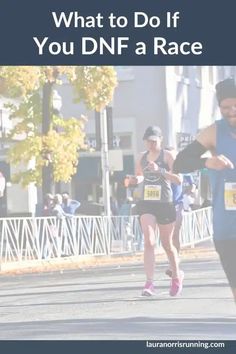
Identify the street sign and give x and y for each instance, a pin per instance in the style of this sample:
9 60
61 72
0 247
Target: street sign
183 139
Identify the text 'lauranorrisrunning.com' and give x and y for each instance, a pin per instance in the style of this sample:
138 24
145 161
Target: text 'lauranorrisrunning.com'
179 344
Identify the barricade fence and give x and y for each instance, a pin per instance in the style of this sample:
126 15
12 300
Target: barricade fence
34 238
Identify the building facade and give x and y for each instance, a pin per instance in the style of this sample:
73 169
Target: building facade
179 99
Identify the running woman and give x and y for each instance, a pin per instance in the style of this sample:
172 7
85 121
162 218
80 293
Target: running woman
156 208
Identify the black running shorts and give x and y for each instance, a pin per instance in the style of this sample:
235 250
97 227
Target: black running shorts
227 252
165 213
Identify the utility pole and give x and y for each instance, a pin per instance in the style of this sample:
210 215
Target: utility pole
105 163
46 120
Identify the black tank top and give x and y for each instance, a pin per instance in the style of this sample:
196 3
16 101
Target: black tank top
156 187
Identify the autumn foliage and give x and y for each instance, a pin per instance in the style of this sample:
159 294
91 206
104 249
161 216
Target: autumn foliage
31 149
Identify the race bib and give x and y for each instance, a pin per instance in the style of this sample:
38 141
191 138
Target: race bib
152 192
230 196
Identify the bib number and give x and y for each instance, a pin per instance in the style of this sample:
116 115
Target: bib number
152 192
230 196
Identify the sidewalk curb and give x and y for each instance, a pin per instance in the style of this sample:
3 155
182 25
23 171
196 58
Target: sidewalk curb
81 262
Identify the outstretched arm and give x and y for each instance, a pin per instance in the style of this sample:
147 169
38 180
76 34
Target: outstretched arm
190 159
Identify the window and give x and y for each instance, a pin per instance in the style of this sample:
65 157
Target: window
229 71
125 142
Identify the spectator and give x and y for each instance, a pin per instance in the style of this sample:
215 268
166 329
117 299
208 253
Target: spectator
57 208
189 192
188 202
63 247
126 207
45 208
69 206
114 206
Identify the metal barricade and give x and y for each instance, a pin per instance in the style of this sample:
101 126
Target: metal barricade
34 238
196 227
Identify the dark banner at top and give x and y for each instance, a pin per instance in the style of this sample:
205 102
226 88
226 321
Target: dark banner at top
104 32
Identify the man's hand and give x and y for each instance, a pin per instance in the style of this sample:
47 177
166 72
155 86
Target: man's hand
219 162
130 181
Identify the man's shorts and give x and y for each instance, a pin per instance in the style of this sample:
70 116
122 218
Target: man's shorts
164 212
227 252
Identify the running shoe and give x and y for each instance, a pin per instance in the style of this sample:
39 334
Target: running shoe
176 285
148 289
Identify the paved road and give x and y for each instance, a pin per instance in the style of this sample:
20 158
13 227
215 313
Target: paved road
105 303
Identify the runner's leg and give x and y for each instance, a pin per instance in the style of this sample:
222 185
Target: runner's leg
166 236
148 224
177 228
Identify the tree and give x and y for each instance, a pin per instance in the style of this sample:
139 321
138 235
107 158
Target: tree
60 146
